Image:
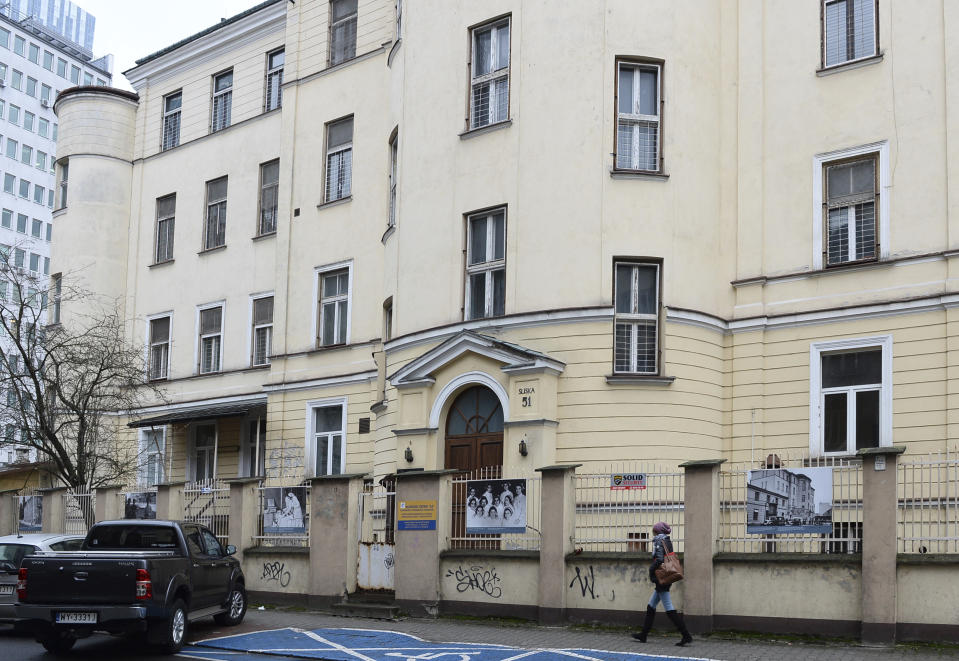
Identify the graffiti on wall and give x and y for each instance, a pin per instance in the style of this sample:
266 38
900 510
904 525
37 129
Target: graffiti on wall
586 581
276 571
476 578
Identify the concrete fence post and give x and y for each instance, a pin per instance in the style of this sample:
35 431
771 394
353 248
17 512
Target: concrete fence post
701 523
244 512
170 500
879 544
334 537
416 576
557 524
52 515
108 506
9 511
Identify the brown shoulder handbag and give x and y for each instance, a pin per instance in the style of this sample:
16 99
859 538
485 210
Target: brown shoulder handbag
670 571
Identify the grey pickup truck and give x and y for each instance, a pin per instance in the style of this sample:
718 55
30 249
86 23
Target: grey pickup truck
131 576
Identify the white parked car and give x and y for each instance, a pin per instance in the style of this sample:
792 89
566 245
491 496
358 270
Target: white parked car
13 548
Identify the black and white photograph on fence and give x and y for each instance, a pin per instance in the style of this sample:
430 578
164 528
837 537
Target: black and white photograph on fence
789 501
283 509
495 506
140 505
31 513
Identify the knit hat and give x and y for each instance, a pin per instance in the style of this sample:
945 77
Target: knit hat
661 528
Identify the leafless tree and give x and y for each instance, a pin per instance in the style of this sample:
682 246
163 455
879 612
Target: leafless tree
63 385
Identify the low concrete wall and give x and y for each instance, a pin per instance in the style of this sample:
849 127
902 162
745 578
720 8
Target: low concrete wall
277 574
928 602
788 593
496 583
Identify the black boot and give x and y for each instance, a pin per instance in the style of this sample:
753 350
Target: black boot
647 624
677 619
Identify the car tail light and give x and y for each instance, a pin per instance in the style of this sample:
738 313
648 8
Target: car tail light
144 584
22 584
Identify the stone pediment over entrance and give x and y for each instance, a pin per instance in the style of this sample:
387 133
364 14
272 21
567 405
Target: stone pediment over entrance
515 359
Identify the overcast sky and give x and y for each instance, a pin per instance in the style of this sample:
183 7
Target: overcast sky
131 29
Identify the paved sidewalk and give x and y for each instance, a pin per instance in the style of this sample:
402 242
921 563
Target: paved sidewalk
532 636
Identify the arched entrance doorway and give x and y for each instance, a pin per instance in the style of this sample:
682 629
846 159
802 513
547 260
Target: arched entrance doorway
474 430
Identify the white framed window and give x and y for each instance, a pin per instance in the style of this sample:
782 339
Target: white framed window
342 31
170 136
638 122
334 289
274 80
210 338
222 101
159 339
394 165
204 452
486 264
262 330
850 395
269 197
326 436
489 73
166 219
636 297
214 230
850 31
339 159
254 453
851 205
152 450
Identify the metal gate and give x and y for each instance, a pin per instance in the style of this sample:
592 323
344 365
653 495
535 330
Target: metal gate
208 503
376 558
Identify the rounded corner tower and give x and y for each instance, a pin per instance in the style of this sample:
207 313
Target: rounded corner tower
94 190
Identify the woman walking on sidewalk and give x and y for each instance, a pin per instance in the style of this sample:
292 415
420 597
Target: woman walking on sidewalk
661 546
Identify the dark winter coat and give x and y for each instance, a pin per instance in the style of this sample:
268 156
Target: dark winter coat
661 546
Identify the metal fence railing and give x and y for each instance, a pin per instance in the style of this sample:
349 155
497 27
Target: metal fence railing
616 513
284 518
928 512
842 513
378 512
78 511
489 480
208 503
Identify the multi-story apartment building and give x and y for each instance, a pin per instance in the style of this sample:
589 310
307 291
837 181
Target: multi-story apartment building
360 236
35 65
61 16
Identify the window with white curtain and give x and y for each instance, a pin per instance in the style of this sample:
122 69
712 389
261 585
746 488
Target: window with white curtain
486 264
636 343
342 31
339 159
489 74
211 339
850 30
262 330
850 209
638 135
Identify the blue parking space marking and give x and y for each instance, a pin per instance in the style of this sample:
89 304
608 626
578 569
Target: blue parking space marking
376 645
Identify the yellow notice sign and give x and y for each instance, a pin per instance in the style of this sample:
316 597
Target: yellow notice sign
416 515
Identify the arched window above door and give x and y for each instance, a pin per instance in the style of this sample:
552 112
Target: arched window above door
476 410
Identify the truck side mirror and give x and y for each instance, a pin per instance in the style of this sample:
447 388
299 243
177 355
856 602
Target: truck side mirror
230 549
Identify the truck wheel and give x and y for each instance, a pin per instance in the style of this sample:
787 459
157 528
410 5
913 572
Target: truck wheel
58 642
235 608
174 628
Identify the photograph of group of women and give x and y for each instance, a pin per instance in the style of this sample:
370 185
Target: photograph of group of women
495 506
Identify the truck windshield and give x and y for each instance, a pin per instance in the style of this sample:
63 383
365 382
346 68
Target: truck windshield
106 538
12 554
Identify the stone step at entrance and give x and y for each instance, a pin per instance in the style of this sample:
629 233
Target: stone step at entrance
378 605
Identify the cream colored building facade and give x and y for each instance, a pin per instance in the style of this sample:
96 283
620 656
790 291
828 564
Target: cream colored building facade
615 231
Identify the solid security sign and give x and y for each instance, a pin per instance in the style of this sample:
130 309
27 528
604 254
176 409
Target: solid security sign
627 481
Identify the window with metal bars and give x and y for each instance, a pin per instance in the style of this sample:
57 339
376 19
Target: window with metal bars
334 307
215 227
342 31
166 213
850 30
210 340
489 74
170 136
636 342
339 159
262 330
274 80
849 207
638 125
394 164
222 101
486 264
269 187
159 347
